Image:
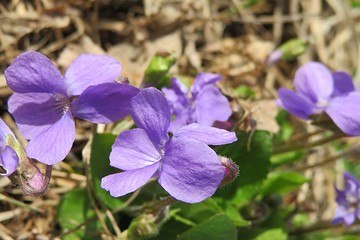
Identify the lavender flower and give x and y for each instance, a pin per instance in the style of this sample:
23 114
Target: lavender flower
317 90
45 103
205 105
186 167
348 201
9 159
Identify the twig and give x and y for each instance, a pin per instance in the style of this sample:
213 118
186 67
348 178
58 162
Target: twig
20 204
290 148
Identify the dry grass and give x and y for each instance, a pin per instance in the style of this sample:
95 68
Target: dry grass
219 37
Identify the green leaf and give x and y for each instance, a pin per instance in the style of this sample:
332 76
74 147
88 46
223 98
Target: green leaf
100 167
73 210
198 212
245 193
285 158
218 227
355 3
276 233
244 92
282 182
286 128
156 74
234 215
254 162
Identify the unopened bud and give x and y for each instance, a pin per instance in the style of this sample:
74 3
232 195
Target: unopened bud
158 69
231 170
32 180
288 51
147 225
274 57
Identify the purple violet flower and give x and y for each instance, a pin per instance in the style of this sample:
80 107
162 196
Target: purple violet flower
9 159
187 168
45 103
317 90
205 105
348 201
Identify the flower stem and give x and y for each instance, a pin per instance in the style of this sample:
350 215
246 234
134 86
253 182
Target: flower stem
328 160
306 145
155 207
20 204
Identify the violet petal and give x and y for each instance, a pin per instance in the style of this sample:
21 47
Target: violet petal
133 149
35 112
295 104
88 70
203 79
343 215
104 103
205 134
33 72
343 84
52 145
9 160
211 106
120 184
176 96
181 119
345 112
150 111
190 171
314 81
4 131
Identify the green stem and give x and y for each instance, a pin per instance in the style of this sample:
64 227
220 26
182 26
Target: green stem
20 204
316 227
326 160
158 205
290 148
299 138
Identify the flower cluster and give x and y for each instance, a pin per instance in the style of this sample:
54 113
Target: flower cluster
317 90
348 201
45 104
205 105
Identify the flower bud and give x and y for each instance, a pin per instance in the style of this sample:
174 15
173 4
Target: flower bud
147 225
32 180
288 51
27 174
231 170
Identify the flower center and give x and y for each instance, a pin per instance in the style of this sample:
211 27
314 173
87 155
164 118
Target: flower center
62 103
322 103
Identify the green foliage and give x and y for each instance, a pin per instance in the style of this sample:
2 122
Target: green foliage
282 182
189 221
353 168
156 74
253 162
198 212
100 167
218 227
244 92
75 209
355 3
286 158
293 48
249 3
286 129
276 233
